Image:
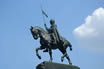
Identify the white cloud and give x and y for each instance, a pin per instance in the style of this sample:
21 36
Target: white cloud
91 34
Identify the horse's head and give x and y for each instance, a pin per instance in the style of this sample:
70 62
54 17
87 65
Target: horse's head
35 32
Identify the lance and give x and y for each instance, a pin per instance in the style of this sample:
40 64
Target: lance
44 14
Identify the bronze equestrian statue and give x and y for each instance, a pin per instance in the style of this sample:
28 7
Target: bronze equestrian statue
51 39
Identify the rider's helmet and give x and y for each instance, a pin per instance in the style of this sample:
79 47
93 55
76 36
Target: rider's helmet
52 21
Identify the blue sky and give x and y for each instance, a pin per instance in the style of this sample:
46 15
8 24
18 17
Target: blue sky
17 46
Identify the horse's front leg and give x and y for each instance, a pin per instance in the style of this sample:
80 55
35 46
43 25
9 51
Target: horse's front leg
37 49
50 53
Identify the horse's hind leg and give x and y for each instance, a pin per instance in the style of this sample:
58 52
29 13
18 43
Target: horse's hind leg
65 55
68 59
62 58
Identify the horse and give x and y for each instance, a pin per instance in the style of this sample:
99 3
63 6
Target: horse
46 43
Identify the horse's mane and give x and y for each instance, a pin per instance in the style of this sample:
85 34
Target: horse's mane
37 27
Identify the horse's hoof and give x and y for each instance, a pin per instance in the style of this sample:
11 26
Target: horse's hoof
70 63
62 59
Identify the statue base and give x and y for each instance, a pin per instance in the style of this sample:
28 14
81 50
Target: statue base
52 65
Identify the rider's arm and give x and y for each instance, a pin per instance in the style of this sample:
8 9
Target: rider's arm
46 27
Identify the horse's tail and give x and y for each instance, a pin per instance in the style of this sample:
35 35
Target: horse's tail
68 44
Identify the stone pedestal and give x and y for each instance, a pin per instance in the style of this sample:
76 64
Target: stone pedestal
52 65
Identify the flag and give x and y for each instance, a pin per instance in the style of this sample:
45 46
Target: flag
43 12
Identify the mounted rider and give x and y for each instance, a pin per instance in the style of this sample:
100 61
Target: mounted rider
53 32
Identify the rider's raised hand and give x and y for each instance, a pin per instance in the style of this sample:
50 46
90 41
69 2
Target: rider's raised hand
44 24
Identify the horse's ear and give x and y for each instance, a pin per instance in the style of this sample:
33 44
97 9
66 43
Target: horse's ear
31 28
